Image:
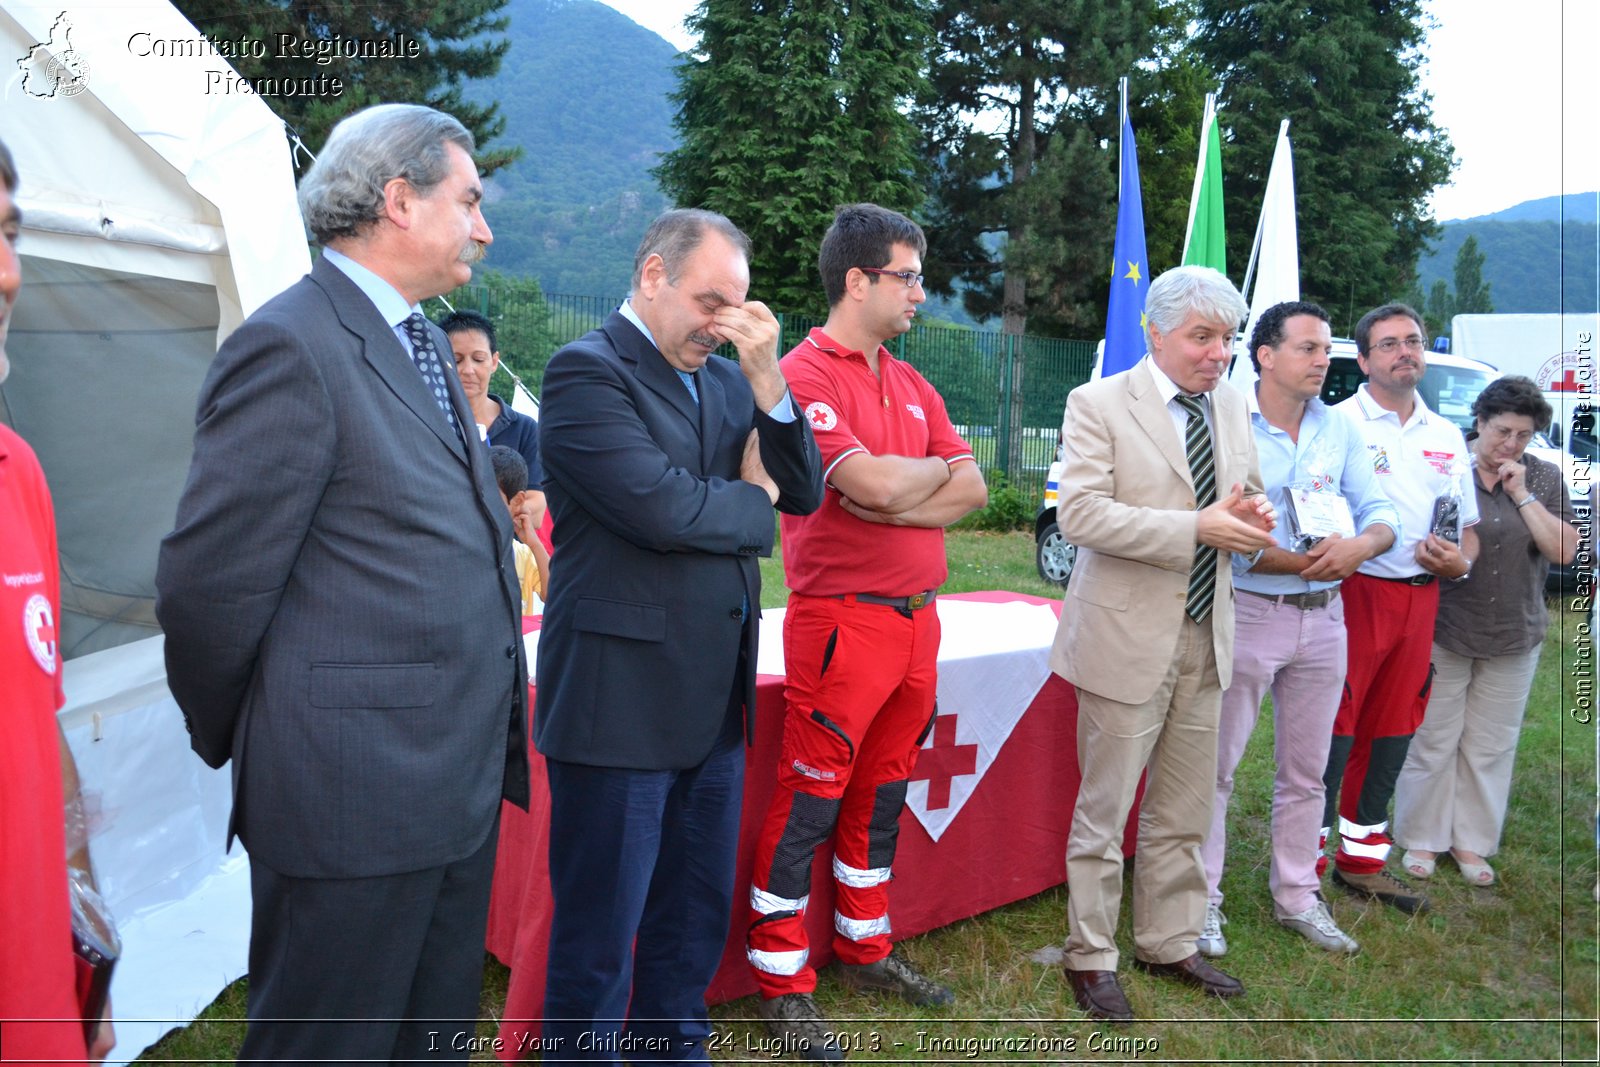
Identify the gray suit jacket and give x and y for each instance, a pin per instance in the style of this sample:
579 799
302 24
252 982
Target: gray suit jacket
1128 503
340 604
645 634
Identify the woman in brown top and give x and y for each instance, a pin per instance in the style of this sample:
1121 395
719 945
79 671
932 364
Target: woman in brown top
1452 791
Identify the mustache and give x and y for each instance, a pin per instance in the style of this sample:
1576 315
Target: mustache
474 252
708 339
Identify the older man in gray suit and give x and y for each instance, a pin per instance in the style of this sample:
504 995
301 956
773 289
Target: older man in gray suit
1160 485
342 615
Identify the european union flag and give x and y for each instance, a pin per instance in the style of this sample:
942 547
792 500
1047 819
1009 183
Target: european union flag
1125 334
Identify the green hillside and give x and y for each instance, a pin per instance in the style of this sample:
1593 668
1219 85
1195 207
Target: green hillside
1539 256
584 91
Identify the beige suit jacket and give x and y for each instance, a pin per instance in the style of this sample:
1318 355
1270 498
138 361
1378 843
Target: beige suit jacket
1128 503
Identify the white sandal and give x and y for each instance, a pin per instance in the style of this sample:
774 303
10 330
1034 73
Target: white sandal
1476 874
1418 867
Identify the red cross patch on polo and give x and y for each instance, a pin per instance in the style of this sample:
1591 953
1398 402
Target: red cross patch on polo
39 630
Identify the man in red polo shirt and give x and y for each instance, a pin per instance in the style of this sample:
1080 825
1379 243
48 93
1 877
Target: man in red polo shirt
38 778
861 635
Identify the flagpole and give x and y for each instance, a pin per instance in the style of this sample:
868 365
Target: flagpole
1261 220
1122 117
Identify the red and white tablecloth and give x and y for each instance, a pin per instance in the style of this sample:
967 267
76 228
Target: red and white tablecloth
987 815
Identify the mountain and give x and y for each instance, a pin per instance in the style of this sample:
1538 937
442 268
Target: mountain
584 91
1573 207
1533 260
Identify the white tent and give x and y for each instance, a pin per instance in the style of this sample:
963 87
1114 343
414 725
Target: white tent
158 212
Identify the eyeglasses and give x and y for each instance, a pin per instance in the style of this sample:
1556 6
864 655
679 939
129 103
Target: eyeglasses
1393 344
911 278
1500 434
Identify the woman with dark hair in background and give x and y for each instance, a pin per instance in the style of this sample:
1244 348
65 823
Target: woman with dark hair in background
1452 791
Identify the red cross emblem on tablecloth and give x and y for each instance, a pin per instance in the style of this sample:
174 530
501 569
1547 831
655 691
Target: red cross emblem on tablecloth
943 761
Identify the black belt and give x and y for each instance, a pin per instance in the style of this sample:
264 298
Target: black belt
899 603
1415 579
1321 598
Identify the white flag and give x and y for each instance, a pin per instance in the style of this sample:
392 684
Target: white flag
1275 260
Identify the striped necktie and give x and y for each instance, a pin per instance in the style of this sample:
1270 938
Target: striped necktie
1203 470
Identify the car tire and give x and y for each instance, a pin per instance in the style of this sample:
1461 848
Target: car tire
1056 556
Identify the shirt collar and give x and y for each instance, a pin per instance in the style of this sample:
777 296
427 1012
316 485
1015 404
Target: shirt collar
1312 415
627 312
385 297
823 343
1166 388
1373 410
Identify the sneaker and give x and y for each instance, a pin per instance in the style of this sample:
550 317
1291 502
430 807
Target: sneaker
794 1020
1318 927
1211 942
1381 885
893 974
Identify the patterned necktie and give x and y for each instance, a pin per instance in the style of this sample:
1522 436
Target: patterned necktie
1202 468
688 383
426 356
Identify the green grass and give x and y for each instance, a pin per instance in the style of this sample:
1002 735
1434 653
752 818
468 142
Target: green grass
1505 975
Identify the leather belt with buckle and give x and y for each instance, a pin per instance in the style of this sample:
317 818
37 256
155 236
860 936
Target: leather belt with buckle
1321 598
905 604
1415 579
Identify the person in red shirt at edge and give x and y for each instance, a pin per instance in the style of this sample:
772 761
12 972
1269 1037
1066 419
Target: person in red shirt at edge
38 996
861 634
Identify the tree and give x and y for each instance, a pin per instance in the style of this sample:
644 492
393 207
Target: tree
788 109
1367 153
291 52
1021 127
1439 310
1472 292
1166 101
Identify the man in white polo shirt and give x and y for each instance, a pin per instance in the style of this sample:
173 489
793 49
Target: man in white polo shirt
1421 461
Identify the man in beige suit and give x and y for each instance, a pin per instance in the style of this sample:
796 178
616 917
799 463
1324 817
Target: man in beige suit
1146 632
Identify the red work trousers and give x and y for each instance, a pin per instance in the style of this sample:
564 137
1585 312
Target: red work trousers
860 697
1390 629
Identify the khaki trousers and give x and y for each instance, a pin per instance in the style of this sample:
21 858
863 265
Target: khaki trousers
1174 736
1453 788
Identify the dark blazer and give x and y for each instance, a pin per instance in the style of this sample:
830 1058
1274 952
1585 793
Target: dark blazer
341 609
656 540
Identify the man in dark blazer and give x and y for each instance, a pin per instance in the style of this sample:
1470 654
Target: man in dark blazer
662 466
342 616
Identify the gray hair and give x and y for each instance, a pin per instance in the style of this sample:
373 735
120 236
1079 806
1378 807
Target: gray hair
342 194
8 169
1184 291
676 234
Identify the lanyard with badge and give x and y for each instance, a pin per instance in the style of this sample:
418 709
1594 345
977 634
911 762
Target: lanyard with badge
1316 509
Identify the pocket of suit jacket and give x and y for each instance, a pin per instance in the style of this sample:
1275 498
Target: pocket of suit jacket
1104 592
621 618
373 685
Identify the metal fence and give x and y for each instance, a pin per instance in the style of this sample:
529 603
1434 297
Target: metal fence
974 370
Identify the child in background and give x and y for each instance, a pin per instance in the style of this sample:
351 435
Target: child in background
533 562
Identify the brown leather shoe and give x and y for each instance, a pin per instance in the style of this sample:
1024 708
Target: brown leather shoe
1099 994
1197 972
